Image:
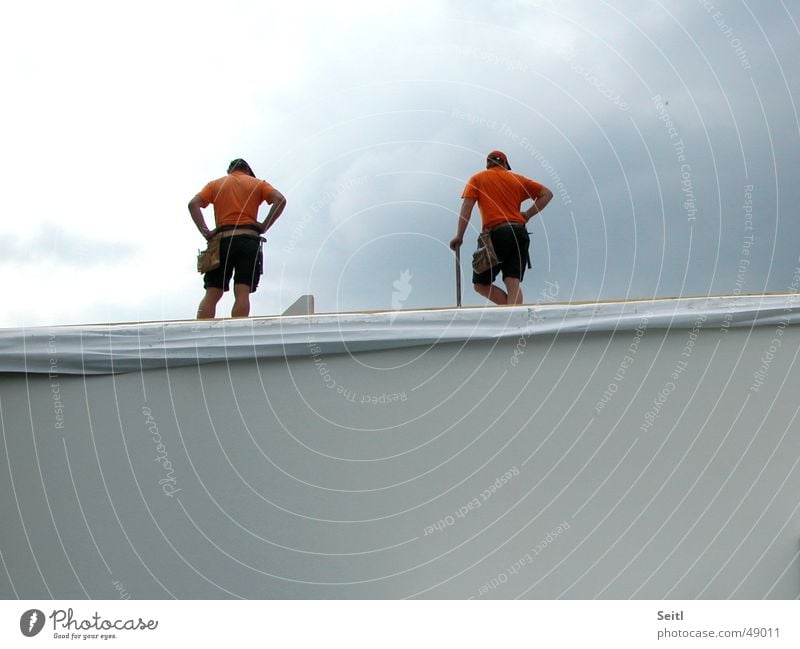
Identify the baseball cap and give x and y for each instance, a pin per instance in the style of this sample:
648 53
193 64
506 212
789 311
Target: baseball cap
499 157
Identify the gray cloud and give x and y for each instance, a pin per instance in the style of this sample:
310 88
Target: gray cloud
54 245
571 92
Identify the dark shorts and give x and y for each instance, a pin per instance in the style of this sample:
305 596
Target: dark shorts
239 257
511 244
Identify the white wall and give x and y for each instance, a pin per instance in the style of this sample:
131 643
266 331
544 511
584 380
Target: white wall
289 488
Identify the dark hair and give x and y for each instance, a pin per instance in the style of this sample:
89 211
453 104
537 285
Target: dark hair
240 165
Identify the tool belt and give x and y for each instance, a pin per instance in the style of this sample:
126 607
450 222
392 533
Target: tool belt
485 257
208 259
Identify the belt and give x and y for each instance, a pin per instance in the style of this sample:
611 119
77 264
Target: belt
230 230
508 225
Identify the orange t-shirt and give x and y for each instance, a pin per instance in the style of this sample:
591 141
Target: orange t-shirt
500 193
236 198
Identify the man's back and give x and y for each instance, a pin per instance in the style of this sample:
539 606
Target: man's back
236 198
500 193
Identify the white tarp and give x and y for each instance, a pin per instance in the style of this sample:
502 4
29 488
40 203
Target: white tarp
119 348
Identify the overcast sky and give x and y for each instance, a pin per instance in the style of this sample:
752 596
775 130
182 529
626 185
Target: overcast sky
668 132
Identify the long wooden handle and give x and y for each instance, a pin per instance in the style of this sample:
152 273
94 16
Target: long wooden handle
458 276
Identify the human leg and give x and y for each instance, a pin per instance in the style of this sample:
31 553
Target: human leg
246 255
208 305
512 244
483 283
215 283
241 300
491 292
514 290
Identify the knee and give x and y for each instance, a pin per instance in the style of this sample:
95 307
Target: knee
241 291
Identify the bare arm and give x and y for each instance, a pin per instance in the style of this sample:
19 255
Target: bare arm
278 202
195 209
540 201
463 221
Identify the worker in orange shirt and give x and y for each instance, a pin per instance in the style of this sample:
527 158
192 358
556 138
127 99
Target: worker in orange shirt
236 198
500 194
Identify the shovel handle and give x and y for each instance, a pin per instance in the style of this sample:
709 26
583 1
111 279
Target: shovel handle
458 276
